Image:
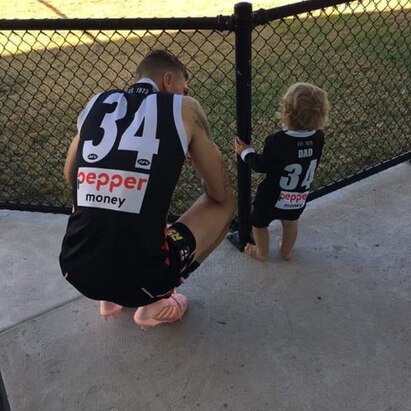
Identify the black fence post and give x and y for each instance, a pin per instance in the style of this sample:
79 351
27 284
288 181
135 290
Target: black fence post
243 27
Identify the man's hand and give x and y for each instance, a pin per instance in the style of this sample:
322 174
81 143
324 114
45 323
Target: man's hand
239 145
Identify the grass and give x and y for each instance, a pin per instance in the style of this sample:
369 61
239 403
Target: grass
35 9
363 63
362 60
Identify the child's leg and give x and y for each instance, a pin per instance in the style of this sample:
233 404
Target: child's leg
290 231
262 244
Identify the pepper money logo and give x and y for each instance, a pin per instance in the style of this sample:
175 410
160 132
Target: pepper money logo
291 201
116 190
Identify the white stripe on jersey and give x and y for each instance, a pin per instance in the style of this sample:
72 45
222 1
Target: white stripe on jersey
299 133
178 120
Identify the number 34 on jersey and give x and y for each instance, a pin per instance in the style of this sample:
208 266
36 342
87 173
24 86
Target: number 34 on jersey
288 198
112 189
145 145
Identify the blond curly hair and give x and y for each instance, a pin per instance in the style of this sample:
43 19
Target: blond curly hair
304 107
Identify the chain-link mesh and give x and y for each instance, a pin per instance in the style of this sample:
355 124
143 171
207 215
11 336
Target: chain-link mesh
359 52
48 77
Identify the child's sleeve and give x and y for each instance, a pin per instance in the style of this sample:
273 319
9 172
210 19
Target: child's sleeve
255 161
258 162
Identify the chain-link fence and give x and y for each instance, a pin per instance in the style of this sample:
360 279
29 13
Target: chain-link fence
358 51
48 76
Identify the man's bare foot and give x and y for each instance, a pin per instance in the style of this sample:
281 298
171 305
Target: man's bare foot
253 252
286 255
108 309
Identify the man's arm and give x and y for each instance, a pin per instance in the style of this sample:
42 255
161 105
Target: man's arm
205 155
70 160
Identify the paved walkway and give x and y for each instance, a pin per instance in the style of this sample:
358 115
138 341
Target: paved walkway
328 331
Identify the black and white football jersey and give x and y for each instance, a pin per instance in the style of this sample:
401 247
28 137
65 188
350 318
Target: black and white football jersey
289 159
131 150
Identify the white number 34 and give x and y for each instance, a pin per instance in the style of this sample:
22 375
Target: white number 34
291 181
145 145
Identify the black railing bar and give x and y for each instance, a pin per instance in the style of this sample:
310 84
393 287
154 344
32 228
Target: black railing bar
264 16
5 205
219 23
361 175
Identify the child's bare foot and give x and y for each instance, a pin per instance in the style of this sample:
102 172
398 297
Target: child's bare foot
253 252
286 256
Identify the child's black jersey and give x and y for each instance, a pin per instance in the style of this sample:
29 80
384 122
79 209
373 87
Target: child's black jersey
289 160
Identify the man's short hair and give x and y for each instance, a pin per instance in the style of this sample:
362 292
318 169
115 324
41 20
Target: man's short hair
158 62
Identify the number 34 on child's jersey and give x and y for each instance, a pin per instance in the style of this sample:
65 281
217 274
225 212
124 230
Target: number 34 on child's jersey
289 199
295 170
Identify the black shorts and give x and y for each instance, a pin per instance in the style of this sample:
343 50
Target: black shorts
182 247
180 263
262 217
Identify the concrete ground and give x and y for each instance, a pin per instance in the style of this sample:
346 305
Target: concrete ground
328 331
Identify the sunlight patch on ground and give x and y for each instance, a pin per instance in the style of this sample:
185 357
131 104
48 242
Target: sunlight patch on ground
29 9
21 42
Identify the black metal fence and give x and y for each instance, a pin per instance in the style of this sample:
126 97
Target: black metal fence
358 51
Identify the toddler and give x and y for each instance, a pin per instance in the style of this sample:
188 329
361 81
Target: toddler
289 159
